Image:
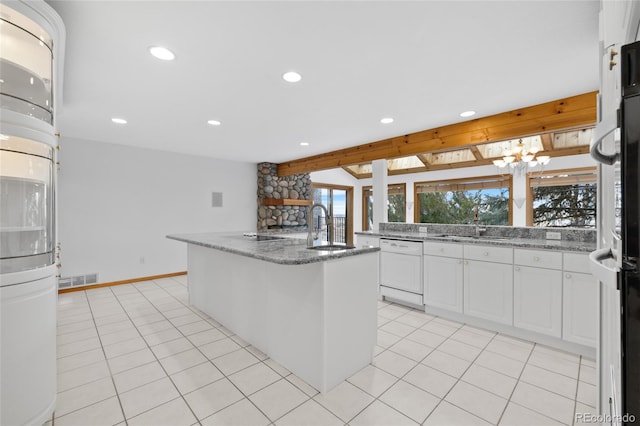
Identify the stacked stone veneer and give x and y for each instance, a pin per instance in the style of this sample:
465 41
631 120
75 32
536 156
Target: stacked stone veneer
294 187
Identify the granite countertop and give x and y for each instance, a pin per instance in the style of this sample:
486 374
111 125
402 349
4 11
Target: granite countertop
527 243
285 251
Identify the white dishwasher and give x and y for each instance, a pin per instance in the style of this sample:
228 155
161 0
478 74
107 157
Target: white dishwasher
401 270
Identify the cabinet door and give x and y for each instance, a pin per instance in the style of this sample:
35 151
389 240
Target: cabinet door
488 291
537 300
400 271
580 308
443 282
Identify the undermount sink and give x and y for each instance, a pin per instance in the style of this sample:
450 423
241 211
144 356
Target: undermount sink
332 247
252 236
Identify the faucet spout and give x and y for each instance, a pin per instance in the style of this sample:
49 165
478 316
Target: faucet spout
310 225
480 229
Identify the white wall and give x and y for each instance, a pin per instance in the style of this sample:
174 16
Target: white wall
116 205
519 183
333 176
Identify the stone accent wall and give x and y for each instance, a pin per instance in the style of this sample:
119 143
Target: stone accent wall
294 187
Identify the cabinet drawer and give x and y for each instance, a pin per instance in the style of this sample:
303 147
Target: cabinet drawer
576 262
538 258
442 249
488 253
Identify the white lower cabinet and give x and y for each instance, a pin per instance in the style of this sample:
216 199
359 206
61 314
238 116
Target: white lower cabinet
580 301
542 291
537 300
488 291
443 282
537 291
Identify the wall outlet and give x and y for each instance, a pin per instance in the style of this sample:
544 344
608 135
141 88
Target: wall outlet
422 229
554 236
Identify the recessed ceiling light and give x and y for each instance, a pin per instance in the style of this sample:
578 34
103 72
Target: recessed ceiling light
162 53
387 120
291 77
467 114
119 120
304 143
214 122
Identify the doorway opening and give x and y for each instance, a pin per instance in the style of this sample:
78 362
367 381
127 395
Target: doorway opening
338 200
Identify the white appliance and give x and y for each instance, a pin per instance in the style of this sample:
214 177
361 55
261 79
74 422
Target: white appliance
28 282
401 270
615 146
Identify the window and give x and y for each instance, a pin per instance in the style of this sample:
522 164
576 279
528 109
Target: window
396 205
562 198
461 201
339 202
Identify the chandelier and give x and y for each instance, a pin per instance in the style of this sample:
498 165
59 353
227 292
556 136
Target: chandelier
519 158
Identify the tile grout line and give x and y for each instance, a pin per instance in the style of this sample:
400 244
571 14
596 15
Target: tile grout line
208 360
404 375
460 379
173 296
106 362
526 362
168 376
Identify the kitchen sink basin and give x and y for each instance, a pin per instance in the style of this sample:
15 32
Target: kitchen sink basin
252 236
488 237
332 247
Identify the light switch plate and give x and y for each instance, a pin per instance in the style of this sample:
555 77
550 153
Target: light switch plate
554 235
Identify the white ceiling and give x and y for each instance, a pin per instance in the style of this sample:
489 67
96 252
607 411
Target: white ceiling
420 62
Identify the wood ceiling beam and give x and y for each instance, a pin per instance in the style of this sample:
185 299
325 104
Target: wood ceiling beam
546 142
556 153
563 114
476 152
424 160
351 172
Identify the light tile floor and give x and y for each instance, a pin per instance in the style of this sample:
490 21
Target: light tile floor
138 354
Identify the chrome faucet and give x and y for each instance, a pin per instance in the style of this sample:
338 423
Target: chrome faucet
310 224
479 229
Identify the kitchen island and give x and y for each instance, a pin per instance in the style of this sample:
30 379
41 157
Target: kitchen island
311 310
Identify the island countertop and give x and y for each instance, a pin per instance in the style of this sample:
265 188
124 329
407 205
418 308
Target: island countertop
284 251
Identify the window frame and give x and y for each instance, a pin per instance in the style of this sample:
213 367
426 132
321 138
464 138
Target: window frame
537 175
462 181
365 211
